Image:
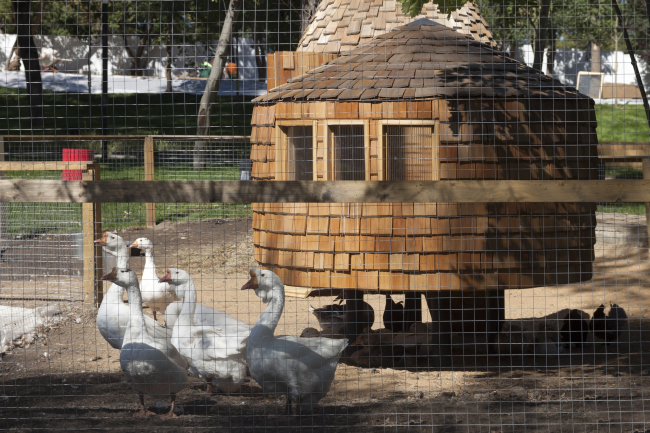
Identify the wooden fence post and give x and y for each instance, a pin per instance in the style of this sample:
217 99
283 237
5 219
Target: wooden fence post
93 267
149 174
646 176
4 218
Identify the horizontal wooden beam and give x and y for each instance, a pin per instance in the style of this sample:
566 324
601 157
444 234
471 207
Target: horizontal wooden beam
125 137
44 165
461 191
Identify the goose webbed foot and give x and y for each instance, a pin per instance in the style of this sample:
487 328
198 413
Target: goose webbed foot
143 412
209 387
170 414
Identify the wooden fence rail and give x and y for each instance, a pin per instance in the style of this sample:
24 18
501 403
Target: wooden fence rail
462 191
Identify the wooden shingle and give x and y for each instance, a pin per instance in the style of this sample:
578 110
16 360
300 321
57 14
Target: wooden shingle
336 19
430 60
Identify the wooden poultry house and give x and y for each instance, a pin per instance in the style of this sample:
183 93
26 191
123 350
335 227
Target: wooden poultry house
424 102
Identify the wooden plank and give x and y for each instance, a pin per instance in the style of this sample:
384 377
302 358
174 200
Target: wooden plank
456 191
149 176
36 138
3 207
646 176
44 165
92 265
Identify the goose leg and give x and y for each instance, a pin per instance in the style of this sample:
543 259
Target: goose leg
170 414
143 412
296 407
287 406
209 389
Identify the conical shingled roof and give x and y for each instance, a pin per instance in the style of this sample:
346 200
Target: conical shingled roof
341 25
415 61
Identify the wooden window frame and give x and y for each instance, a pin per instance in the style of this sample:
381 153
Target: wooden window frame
281 146
329 144
435 136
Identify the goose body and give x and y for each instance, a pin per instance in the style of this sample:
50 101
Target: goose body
113 313
301 368
203 315
217 354
148 359
155 295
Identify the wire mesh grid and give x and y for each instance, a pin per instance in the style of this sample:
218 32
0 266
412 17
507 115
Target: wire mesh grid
412 315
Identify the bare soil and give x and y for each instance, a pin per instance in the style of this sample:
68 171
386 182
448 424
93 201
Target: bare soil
70 379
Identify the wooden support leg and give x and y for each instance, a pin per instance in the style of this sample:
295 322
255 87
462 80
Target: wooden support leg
353 306
440 310
496 312
412 309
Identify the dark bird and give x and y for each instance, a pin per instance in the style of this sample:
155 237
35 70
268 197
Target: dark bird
394 315
598 323
334 319
331 317
575 329
615 323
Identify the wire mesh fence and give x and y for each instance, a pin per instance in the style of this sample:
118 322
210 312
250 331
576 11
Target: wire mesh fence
460 313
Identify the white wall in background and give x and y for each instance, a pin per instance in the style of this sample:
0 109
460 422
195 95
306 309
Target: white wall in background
568 62
119 63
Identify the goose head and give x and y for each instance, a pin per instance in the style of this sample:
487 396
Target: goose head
177 278
110 241
142 243
121 277
263 282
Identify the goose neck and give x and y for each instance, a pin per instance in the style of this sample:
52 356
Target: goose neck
269 319
122 257
189 302
136 317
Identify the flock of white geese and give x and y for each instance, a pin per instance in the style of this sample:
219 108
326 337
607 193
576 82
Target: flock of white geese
200 341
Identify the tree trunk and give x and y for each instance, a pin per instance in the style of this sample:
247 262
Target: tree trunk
168 66
259 58
540 40
212 86
29 55
594 52
13 65
135 57
550 55
307 11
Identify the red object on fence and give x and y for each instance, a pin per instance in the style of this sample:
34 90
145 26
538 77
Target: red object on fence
76 155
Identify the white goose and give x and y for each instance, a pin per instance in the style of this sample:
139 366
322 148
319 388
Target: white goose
217 354
301 368
113 313
203 315
155 295
149 360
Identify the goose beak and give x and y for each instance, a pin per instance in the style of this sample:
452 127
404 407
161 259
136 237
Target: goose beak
252 283
102 241
134 245
167 278
111 276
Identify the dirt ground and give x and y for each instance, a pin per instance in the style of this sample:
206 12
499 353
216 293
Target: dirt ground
70 379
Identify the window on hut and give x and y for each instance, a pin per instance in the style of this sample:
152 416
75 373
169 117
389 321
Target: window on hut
348 153
300 161
409 152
